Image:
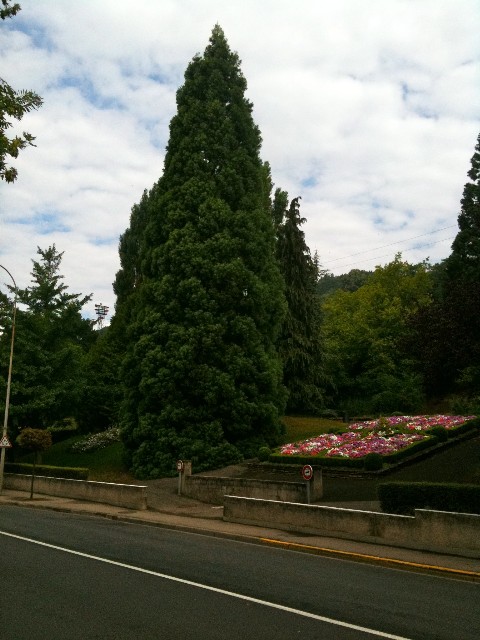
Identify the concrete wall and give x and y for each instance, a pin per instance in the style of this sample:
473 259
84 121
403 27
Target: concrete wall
213 488
438 531
119 495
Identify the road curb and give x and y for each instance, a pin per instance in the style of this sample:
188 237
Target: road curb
446 572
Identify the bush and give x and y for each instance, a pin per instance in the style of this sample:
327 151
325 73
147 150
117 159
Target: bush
34 439
440 433
405 497
264 454
373 462
63 429
352 463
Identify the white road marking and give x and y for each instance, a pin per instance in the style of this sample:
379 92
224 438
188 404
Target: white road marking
232 594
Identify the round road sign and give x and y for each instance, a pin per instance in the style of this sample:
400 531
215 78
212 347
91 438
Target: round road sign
307 472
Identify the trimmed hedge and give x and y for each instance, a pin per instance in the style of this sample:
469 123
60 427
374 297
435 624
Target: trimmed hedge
352 463
74 473
405 497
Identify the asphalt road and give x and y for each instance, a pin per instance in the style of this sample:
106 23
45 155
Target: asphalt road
65 576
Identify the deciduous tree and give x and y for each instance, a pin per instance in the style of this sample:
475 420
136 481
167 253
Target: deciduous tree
13 104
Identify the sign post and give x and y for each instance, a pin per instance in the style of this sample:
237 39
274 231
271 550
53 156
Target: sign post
180 469
307 474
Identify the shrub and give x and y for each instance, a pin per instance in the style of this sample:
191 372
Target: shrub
440 433
35 439
405 497
75 473
264 454
373 462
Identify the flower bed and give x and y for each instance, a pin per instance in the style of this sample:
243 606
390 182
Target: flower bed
384 436
97 441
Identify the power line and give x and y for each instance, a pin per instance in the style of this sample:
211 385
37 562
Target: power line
351 255
387 255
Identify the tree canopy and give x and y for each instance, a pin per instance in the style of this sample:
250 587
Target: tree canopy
364 332
13 104
51 340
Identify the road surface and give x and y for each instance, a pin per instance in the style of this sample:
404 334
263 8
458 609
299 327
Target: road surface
69 577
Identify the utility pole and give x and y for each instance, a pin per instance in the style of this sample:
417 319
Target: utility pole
4 441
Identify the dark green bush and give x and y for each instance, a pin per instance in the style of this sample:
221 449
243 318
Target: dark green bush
402 454
75 473
405 497
440 433
352 463
264 454
373 462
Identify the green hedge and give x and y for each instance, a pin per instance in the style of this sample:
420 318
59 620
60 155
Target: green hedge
352 463
74 473
405 497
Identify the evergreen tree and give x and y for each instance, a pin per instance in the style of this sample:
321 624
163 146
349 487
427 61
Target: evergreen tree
51 339
202 376
464 261
300 344
449 330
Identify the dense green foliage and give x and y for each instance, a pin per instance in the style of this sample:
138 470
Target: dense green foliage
49 376
448 331
300 342
405 497
35 439
351 281
202 376
464 261
364 332
13 104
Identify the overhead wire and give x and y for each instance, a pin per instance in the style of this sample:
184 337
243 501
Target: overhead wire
351 255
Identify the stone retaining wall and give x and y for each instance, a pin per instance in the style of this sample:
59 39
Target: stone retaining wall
119 495
213 488
437 531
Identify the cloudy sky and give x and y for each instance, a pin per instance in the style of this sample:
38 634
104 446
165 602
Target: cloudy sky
369 110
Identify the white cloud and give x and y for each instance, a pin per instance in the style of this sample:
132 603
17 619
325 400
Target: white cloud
368 110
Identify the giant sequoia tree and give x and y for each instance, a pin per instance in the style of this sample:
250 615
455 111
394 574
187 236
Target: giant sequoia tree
202 376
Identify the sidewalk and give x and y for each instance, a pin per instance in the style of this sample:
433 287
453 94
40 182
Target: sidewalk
168 509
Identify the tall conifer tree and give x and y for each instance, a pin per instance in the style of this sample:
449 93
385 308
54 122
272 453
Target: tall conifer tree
300 344
202 376
464 261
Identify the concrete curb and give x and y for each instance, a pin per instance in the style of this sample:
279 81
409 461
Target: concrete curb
248 537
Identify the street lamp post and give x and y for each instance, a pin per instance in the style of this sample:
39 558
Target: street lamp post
9 380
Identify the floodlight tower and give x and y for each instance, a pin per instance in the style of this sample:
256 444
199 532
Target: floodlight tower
101 310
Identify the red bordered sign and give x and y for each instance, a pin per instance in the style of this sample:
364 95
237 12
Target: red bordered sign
5 443
180 465
307 472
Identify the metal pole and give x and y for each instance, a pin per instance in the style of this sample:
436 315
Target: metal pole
9 380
